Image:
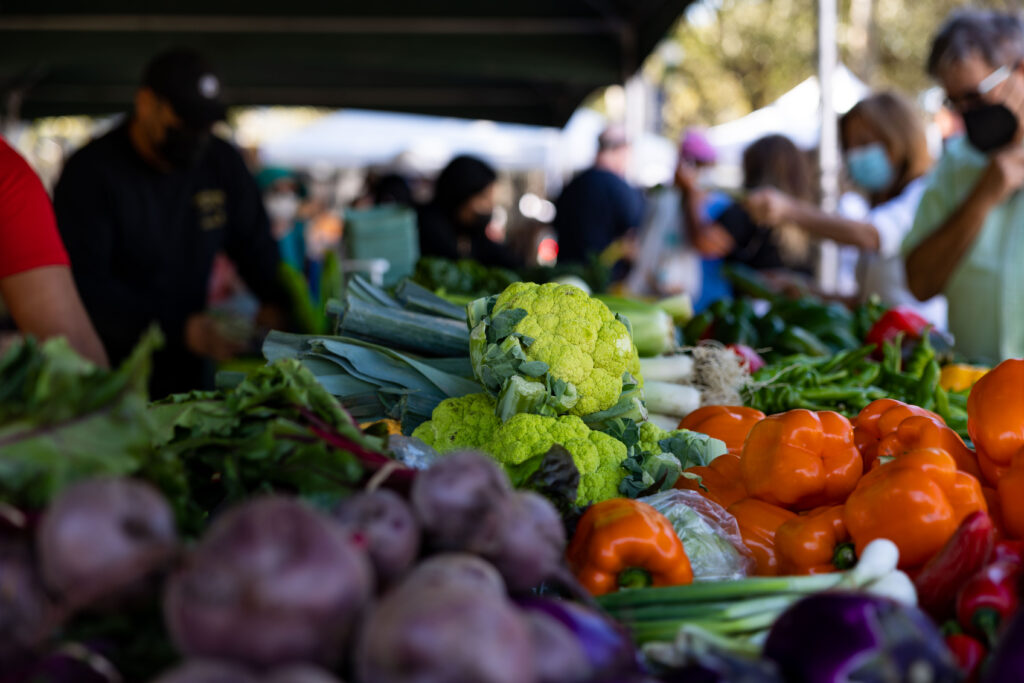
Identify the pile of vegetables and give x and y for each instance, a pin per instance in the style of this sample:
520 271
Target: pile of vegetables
536 500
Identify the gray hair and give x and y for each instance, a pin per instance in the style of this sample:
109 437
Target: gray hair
997 37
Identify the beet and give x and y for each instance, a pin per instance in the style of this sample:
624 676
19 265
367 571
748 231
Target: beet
101 537
213 671
459 569
453 634
386 525
272 582
27 616
207 671
558 656
456 495
525 541
299 673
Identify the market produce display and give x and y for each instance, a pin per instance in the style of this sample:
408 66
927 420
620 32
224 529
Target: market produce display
521 488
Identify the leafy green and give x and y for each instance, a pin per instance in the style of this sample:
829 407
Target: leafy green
692 449
63 419
256 437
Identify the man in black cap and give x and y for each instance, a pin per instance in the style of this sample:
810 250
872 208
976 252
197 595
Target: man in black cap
144 209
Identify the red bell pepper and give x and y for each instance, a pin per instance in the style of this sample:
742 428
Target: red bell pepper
969 653
966 552
988 599
1009 551
895 321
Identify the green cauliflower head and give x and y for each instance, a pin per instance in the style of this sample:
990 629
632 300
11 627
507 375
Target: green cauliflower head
470 422
578 337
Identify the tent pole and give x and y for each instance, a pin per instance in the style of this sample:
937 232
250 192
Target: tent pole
828 147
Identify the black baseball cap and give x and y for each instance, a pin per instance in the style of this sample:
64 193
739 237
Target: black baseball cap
189 83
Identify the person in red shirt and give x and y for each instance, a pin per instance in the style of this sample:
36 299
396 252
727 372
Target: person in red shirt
35 276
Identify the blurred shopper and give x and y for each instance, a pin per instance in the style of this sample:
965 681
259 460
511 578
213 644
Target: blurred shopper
666 263
968 235
282 198
454 224
771 162
598 207
886 153
144 209
36 285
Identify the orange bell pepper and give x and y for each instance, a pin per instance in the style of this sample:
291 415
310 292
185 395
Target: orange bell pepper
758 522
917 432
879 418
814 543
801 460
1011 497
719 482
730 424
626 543
995 417
916 501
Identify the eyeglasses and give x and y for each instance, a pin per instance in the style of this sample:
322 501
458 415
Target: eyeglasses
973 99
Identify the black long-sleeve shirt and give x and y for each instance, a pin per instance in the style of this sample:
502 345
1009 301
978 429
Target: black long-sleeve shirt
142 244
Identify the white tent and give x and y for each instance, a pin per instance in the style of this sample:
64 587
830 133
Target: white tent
796 114
355 138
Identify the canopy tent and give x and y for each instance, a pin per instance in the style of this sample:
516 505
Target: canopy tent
796 114
356 138
528 61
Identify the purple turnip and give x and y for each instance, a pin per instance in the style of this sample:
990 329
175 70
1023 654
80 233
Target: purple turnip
453 634
100 538
558 657
26 613
525 541
459 569
385 523
272 582
458 494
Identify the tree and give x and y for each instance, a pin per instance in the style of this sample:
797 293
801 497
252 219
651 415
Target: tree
729 57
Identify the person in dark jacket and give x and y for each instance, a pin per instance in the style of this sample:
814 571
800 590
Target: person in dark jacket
143 211
453 225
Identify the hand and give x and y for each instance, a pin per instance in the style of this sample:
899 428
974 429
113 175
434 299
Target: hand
713 241
686 176
204 337
768 206
1004 175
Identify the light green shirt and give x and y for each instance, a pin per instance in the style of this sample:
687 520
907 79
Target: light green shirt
986 291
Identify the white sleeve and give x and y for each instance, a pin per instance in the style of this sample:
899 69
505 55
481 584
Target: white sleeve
894 219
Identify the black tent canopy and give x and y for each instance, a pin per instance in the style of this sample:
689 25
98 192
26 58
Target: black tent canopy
529 61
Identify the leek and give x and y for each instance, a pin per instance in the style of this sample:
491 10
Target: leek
673 400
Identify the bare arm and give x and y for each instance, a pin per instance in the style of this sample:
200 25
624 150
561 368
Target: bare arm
771 207
933 261
44 303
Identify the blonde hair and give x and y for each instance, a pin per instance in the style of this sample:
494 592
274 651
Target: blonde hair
896 124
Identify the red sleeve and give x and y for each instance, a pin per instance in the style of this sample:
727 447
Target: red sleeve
28 229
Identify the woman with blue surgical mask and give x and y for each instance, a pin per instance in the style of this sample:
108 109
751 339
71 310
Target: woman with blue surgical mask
886 160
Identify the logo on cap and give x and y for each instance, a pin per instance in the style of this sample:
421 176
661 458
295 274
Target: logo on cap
209 86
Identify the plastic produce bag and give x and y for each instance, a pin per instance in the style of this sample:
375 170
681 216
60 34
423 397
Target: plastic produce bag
412 452
709 534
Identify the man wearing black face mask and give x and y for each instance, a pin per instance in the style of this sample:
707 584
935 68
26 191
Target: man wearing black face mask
968 235
144 209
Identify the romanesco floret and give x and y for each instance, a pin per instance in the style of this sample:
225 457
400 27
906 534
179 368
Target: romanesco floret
580 340
470 422
459 423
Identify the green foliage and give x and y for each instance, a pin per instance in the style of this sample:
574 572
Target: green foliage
63 419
